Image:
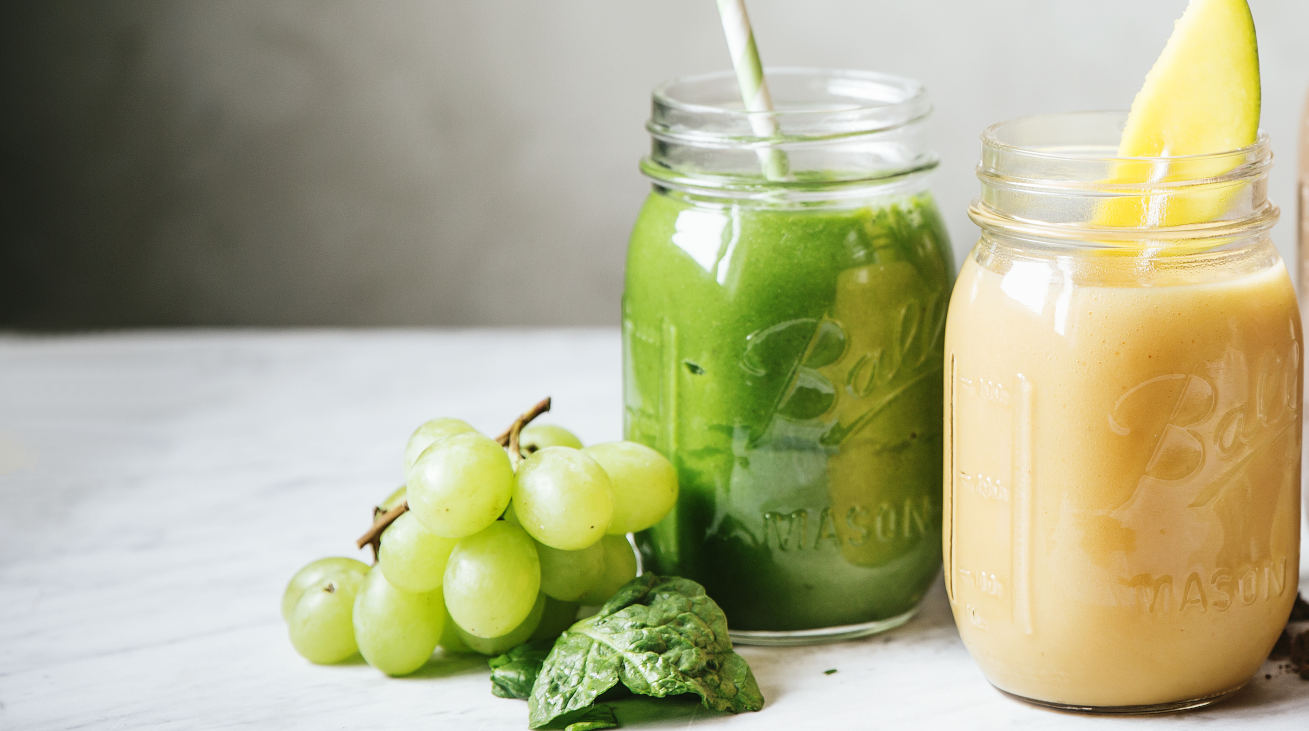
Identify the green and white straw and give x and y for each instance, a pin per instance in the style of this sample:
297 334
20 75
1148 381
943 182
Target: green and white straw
753 85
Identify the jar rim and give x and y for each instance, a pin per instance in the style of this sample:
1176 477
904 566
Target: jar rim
856 102
836 133
1060 177
992 138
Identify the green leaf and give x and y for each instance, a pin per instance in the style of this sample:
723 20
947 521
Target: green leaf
594 719
658 637
514 673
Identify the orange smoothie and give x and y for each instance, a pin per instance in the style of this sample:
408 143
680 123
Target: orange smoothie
1121 462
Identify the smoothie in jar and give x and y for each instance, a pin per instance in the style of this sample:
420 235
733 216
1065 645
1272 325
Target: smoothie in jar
782 346
1122 433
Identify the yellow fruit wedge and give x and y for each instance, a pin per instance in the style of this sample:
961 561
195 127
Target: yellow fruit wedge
1200 97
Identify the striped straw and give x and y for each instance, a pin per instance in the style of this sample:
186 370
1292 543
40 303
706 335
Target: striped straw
754 87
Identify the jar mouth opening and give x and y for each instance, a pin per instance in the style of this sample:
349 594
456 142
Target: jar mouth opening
809 103
1092 137
832 134
1059 176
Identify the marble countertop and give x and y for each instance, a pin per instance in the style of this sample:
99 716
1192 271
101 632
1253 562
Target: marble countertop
160 487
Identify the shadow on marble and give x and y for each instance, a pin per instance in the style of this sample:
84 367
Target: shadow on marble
448 666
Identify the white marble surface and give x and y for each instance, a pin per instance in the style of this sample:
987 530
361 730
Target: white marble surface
159 488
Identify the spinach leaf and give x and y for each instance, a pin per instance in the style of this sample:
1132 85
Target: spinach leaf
594 719
658 637
514 673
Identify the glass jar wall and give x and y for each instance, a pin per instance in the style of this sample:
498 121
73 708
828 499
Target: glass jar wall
782 346
1123 400
1302 239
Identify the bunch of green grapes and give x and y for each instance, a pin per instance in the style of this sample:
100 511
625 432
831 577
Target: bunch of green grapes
487 555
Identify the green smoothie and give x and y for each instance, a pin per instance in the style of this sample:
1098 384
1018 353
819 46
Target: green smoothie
788 361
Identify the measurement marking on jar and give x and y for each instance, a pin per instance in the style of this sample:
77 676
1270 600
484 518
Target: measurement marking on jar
670 375
1021 468
1002 478
974 617
985 486
985 582
952 439
986 389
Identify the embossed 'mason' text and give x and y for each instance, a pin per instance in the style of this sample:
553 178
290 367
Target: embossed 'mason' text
886 522
1217 589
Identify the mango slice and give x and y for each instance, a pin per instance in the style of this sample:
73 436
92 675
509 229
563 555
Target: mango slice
1201 97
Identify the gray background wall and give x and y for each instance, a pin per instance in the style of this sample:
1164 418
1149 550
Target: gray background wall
325 162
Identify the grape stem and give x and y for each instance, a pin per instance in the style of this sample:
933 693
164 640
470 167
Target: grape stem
508 439
373 536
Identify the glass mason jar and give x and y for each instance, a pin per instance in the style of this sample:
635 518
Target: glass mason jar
1122 422
1302 238
782 341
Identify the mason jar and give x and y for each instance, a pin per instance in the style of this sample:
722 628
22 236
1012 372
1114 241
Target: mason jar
1302 238
1122 423
782 330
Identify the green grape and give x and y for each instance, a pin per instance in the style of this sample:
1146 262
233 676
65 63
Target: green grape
620 568
535 437
429 433
392 500
563 498
644 483
460 485
566 575
396 629
411 557
492 580
557 617
342 571
450 642
320 624
513 638
510 516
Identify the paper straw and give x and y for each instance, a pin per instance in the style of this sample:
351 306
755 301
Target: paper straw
753 85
